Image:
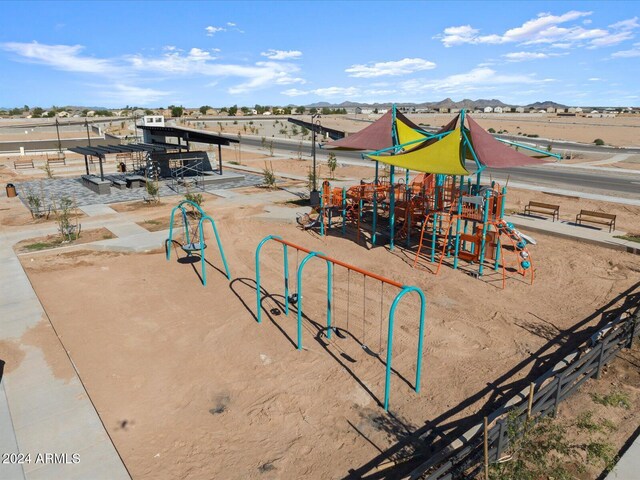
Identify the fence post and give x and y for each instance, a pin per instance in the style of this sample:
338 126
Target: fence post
486 449
530 404
500 445
556 403
603 340
634 325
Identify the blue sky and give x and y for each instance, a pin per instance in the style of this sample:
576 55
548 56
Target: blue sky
274 53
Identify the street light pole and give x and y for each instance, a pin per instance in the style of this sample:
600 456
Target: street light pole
314 197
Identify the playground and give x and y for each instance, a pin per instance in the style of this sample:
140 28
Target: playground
231 342
189 389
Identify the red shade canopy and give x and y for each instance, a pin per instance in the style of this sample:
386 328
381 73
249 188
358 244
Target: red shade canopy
495 154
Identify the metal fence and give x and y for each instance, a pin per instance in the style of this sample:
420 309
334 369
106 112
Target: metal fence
464 458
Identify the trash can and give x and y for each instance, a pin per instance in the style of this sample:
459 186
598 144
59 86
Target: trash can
11 190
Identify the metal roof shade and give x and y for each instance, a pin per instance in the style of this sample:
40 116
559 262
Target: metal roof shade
189 134
101 150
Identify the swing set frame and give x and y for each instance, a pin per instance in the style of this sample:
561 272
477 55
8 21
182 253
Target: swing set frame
189 247
331 262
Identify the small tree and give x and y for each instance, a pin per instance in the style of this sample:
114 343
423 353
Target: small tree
491 130
300 110
269 175
311 179
47 169
203 109
271 148
177 111
332 163
63 211
598 141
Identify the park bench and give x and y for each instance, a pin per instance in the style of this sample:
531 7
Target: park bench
24 163
101 187
58 157
597 217
135 181
544 208
119 183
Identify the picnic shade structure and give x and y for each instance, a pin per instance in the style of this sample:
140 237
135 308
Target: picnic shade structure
395 140
101 150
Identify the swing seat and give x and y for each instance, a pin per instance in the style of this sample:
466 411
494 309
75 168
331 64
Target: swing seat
193 247
306 222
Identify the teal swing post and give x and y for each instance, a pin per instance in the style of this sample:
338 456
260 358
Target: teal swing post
331 264
392 313
344 210
329 293
374 225
285 255
190 246
392 194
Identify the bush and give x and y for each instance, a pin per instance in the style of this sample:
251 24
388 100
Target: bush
491 130
598 141
69 231
332 163
269 175
194 197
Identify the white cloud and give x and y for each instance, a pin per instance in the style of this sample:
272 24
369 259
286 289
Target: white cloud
272 54
481 78
612 39
60 57
631 53
629 24
595 79
392 68
198 62
231 24
546 29
129 94
366 94
457 35
211 30
524 56
172 62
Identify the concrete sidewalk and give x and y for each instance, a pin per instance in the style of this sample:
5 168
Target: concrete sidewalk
628 467
44 410
565 229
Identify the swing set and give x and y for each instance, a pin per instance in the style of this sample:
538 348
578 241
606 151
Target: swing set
194 235
297 298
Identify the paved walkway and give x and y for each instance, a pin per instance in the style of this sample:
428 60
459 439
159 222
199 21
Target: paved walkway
42 410
628 467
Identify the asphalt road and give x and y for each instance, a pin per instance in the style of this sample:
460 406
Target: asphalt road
584 180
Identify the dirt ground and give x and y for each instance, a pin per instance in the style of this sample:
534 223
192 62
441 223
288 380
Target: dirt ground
190 386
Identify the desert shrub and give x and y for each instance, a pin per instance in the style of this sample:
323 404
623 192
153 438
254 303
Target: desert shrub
194 197
332 163
598 141
63 210
269 175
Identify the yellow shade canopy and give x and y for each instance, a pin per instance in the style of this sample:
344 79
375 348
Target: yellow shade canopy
407 134
441 157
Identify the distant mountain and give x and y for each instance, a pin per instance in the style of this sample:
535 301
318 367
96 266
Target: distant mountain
320 104
546 104
446 103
